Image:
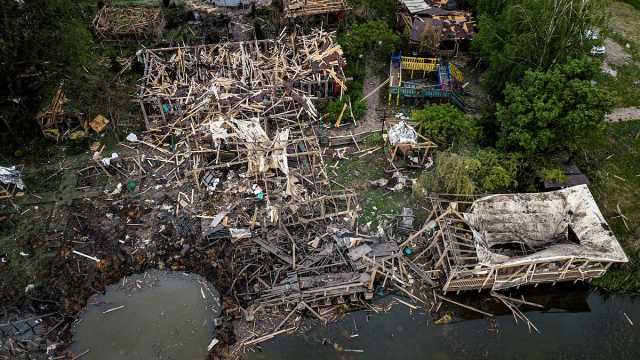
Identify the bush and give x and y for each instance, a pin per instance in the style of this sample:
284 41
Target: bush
554 175
482 171
445 124
334 108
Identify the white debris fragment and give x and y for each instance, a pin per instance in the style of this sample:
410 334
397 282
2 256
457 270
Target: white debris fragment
402 133
212 344
132 137
107 161
11 175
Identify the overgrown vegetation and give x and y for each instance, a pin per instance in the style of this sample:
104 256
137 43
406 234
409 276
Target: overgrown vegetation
469 172
519 35
446 125
612 162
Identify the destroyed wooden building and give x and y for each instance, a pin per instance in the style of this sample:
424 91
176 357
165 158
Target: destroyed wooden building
274 78
131 22
303 8
503 241
233 128
416 78
437 27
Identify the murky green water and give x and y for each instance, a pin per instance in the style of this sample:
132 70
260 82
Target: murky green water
165 316
577 324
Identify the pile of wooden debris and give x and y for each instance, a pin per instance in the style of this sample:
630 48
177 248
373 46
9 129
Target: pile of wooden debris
138 22
297 8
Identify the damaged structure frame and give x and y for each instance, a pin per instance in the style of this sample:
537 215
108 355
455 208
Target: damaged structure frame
504 241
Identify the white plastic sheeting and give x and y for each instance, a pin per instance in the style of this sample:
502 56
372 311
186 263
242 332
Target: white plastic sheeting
402 133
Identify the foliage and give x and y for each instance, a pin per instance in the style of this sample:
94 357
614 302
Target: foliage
550 110
375 9
372 38
41 43
445 124
554 175
533 34
334 108
611 160
481 171
635 3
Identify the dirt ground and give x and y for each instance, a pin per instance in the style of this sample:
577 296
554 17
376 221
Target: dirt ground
624 114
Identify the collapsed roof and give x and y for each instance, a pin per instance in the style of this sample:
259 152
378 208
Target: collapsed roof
547 226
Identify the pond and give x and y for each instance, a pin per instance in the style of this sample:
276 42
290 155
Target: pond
154 315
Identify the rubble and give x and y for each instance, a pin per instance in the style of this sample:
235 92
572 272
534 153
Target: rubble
299 8
131 22
11 183
58 124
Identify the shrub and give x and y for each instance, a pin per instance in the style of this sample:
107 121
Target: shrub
481 171
445 124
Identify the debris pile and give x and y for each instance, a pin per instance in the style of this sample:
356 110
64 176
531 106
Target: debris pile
273 79
58 124
297 8
238 150
10 182
136 22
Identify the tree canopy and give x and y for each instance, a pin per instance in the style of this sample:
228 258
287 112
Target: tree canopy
370 38
471 172
519 35
550 110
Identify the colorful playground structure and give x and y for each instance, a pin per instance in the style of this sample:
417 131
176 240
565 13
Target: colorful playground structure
446 84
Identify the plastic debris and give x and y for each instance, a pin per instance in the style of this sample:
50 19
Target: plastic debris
11 175
402 133
107 161
132 137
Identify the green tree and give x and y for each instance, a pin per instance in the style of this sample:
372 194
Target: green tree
372 38
550 110
445 124
533 34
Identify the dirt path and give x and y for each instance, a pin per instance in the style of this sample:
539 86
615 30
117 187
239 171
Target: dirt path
370 121
624 114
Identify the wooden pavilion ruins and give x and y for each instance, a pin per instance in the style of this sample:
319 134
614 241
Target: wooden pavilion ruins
412 77
503 241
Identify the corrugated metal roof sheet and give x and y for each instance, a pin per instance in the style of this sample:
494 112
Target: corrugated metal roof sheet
415 6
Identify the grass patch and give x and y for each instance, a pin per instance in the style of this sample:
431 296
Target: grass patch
612 162
624 88
624 20
375 202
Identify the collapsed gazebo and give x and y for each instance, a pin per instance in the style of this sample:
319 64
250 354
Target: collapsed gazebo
503 241
134 22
